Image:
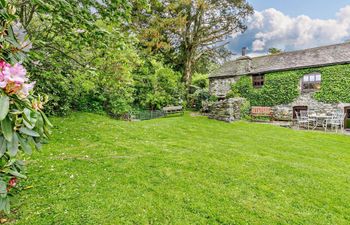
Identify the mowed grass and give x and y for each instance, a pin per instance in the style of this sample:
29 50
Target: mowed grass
185 170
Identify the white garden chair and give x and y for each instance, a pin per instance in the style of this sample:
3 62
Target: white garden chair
302 119
337 121
311 117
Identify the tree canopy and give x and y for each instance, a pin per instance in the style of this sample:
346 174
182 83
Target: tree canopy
191 30
273 51
100 55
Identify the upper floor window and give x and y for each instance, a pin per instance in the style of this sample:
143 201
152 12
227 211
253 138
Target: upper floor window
258 81
311 82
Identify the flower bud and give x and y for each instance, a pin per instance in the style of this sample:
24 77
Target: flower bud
11 10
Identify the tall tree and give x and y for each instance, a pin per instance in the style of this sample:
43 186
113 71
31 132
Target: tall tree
191 29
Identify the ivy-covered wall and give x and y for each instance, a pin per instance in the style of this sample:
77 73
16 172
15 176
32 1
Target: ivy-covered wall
284 87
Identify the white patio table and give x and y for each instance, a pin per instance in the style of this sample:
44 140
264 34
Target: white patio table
320 119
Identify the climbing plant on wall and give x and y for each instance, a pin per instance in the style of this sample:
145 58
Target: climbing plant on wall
284 87
335 87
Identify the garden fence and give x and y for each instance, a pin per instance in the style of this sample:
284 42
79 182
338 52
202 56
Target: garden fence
147 115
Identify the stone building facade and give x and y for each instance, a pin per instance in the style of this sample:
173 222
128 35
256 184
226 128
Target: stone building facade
222 79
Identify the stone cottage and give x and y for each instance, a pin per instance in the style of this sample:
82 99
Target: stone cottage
310 83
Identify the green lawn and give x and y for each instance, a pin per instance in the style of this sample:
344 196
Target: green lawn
185 170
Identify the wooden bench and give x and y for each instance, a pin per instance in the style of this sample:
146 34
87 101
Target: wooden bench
258 111
173 110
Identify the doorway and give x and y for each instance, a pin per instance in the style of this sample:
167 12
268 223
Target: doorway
347 117
297 109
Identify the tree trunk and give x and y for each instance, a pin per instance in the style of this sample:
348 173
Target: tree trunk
187 76
188 67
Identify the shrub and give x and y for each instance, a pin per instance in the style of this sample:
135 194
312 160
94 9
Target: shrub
117 94
60 89
199 92
195 100
87 96
200 80
24 125
157 86
245 110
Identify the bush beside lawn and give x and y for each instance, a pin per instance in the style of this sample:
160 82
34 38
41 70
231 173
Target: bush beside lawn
185 170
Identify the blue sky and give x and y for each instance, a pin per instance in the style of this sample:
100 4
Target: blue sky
293 25
316 9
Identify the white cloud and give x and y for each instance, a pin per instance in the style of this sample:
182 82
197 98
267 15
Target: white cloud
271 28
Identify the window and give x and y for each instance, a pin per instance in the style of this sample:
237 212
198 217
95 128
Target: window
258 81
311 82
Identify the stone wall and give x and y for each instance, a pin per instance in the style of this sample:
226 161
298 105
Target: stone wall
227 110
285 112
220 87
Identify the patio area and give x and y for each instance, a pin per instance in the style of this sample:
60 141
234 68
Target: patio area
294 126
336 121
322 123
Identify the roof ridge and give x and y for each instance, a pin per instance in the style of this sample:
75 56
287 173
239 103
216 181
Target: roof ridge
300 50
304 58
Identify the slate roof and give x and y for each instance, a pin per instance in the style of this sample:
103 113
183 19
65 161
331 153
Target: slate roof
313 57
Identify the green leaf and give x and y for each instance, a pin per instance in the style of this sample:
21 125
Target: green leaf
2 146
12 146
25 145
2 3
7 129
4 106
3 191
30 141
39 126
15 173
27 118
5 204
30 118
28 132
47 121
38 145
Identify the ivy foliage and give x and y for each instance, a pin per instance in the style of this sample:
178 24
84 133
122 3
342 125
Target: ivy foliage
284 87
335 84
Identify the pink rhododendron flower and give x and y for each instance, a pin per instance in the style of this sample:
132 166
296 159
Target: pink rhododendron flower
2 83
16 74
3 64
21 35
26 88
12 88
13 79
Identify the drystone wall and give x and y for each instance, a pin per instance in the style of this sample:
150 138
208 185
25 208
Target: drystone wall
228 110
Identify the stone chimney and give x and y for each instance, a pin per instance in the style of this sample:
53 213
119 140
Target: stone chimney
244 51
244 54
